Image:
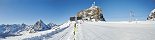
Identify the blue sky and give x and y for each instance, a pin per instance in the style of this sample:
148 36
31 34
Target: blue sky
59 11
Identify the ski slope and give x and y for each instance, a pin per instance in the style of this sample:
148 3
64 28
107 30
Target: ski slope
137 30
116 31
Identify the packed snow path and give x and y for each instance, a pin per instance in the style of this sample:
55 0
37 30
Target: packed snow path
115 31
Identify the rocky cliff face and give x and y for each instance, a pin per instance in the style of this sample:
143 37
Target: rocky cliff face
152 16
94 13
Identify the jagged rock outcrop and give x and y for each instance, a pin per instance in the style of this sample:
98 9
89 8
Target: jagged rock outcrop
94 13
152 16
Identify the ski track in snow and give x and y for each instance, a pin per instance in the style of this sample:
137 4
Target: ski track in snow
117 31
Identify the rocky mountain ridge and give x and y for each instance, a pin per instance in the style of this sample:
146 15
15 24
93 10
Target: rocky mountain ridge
19 29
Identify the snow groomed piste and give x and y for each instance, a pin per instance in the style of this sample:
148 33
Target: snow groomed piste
140 30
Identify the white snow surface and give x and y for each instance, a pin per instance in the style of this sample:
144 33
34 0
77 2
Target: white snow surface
136 30
28 35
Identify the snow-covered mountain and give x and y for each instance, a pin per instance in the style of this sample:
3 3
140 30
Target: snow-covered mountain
94 13
39 26
152 15
20 29
11 30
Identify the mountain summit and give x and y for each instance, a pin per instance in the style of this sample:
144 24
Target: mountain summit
94 13
39 26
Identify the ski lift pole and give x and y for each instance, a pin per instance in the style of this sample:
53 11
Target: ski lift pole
75 19
131 16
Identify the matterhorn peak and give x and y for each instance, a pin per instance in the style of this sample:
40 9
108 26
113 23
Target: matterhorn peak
40 20
39 26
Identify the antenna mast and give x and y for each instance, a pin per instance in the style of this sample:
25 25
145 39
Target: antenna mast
93 3
131 16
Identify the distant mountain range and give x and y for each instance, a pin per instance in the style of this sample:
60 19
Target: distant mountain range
19 29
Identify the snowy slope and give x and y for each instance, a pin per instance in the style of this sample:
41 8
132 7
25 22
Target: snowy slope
64 35
41 34
136 30
141 30
28 35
